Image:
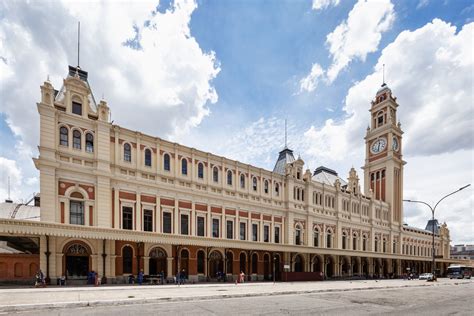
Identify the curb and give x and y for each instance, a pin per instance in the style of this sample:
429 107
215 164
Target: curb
132 301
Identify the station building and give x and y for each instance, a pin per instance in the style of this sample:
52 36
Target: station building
115 201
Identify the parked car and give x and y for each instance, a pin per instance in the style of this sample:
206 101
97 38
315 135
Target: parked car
426 276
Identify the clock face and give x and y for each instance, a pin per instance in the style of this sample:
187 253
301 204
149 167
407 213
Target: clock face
378 145
395 145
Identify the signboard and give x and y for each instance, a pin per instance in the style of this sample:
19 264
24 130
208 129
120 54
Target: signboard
286 266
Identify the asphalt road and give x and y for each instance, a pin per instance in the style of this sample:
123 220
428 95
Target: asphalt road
439 300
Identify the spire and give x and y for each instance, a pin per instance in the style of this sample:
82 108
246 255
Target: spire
78 41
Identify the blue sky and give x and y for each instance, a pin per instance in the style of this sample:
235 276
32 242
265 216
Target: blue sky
223 76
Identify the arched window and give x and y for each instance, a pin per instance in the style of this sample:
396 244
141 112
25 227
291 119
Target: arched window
148 157
254 183
255 263
344 240
277 189
184 166
328 239
200 170
89 143
127 152
302 194
229 177
376 244
384 245
166 162
242 181
265 187
76 139
200 262
76 108
63 136
215 174
354 241
380 119
127 259
316 238
298 235
76 209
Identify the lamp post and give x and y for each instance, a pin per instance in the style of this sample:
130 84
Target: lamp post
433 223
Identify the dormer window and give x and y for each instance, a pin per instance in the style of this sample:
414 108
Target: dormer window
77 108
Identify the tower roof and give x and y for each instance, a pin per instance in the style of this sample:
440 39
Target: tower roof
430 224
284 157
327 176
383 88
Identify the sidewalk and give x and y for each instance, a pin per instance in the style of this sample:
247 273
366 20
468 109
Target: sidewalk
62 297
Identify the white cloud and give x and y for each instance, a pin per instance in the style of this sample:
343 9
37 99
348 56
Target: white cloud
168 78
422 4
323 4
360 34
310 82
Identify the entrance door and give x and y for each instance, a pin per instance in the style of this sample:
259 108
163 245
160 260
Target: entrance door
77 262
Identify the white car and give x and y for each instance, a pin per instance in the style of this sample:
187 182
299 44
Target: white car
426 276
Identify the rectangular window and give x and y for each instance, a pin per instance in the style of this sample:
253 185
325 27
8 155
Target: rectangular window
148 220
266 233
230 230
254 232
277 234
184 224
242 232
215 228
200 226
127 218
77 108
167 222
76 213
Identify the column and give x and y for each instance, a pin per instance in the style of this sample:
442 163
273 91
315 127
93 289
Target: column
146 265
169 267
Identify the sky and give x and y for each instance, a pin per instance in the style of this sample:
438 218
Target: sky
222 76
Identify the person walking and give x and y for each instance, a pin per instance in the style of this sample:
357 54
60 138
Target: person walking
140 277
242 277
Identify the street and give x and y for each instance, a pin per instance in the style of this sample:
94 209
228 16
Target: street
454 298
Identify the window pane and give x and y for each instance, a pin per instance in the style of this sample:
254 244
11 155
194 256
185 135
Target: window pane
166 162
184 166
254 232
148 157
266 233
215 228
242 231
230 230
200 226
148 220
184 224
63 136
127 153
77 108
277 235
76 213
76 139
200 171
127 218
167 222
89 143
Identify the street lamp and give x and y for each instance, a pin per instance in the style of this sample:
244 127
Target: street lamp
433 223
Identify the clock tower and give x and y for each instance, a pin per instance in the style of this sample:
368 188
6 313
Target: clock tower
383 169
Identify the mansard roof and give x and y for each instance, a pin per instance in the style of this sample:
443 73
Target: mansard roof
285 156
327 176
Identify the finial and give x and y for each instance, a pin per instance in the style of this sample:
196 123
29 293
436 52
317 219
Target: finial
47 78
78 41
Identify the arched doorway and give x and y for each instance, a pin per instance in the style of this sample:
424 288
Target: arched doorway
329 267
385 268
266 266
215 263
355 266
299 264
345 267
242 259
127 259
255 263
201 259
230 262
365 267
316 264
158 262
184 261
377 268
77 261
277 266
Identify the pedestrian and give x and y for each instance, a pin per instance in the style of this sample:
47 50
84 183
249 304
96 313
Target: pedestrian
96 279
183 276
37 279
242 277
140 277
42 280
162 277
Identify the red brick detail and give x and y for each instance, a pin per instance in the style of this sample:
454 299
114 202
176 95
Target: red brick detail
18 266
62 191
113 208
185 204
267 217
148 199
201 207
127 196
112 139
243 214
142 147
215 209
230 212
134 145
121 141
62 212
255 216
179 157
90 193
373 158
168 202
154 150
91 215
278 220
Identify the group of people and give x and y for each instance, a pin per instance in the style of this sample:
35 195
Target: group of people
93 278
180 277
39 279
